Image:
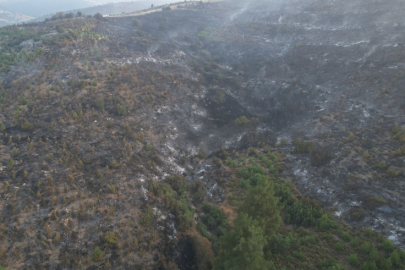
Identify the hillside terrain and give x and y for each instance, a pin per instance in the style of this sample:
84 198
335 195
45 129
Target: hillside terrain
19 11
123 7
224 135
7 18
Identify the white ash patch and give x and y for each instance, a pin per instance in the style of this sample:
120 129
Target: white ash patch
172 230
197 127
200 112
174 166
338 213
391 45
212 189
145 193
158 214
302 174
354 203
345 45
171 148
366 113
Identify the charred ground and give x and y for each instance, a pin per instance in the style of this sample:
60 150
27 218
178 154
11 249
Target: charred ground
100 119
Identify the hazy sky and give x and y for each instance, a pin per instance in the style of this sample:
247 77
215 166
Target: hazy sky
37 8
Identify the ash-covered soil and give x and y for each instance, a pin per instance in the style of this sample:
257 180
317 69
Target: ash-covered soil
107 105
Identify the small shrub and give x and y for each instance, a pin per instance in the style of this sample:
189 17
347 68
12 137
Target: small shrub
98 255
215 219
398 134
365 248
14 152
178 183
395 258
388 246
147 218
392 172
353 260
374 202
355 243
369 266
339 246
280 244
26 126
110 238
283 142
56 238
302 214
319 156
368 232
324 223
303 147
244 121
381 165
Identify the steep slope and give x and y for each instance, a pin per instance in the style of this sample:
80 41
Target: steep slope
116 132
335 72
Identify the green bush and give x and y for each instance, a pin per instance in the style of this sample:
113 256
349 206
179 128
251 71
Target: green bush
98 254
355 243
369 266
110 238
302 214
388 246
244 121
353 260
273 157
373 254
280 244
399 134
202 228
251 171
184 213
178 183
395 258
324 223
147 217
339 246
303 147
331 265
283 192
384 264
365 248
26 126
346 236
335 267
215 219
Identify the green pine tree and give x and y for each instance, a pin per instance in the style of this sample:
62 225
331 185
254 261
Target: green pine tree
261 204
242 248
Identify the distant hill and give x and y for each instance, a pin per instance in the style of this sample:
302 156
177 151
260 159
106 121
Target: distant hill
18 11
44 8
114 8
7 17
